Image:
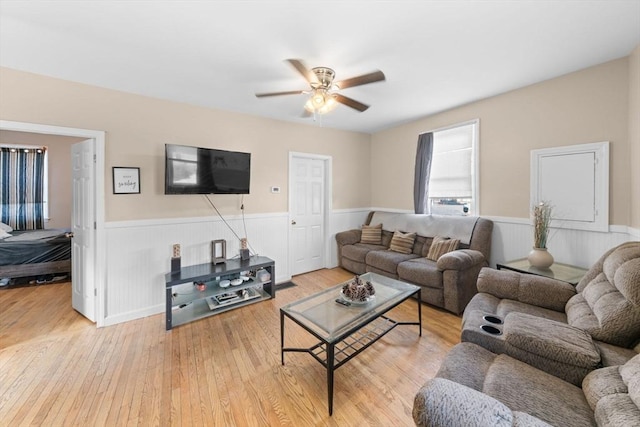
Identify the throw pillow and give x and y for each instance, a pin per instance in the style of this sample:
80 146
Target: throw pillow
371 234
402 242
440 246
4 234
5 227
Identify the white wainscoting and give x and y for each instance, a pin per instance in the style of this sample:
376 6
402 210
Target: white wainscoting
513 238
139 252
139 255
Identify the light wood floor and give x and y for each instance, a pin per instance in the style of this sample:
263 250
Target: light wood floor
57 368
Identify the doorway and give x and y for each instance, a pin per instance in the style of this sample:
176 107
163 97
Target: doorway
309 207
92 283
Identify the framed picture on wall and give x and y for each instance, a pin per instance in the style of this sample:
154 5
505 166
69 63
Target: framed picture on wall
126 180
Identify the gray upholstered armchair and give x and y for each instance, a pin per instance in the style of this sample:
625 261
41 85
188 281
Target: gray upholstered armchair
565 331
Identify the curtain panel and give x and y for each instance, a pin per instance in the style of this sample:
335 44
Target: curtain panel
424 156
22 188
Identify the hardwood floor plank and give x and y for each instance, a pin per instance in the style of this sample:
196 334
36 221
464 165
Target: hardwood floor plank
58 369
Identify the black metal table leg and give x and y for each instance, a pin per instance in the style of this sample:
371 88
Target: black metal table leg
330 362
282 336
420 309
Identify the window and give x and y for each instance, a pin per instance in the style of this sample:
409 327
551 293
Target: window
23 186
453 180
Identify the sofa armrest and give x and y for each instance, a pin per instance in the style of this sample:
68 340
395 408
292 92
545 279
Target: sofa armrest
349 237
562 350
444 403
527 288
461 259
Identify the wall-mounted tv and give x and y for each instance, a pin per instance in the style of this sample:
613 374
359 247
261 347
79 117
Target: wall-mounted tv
194 170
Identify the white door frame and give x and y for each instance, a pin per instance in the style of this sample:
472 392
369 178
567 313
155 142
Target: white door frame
328 204
99 137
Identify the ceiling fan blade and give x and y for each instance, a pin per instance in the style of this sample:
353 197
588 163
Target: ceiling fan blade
291 92
350 102
302 69
364 79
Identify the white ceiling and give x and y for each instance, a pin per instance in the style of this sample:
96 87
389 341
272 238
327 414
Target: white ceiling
436 54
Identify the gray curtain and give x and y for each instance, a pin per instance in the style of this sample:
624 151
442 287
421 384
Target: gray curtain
424 155
22 188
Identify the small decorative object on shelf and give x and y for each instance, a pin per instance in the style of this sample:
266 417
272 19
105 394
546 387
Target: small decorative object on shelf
219 251
539 257
175 259
263 275
358 290
244 250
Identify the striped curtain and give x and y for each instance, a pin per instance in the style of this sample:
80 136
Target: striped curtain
21 187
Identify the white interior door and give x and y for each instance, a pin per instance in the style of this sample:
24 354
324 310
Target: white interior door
307 206
83 227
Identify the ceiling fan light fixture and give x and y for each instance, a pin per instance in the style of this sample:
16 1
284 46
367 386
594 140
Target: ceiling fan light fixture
320 102
324 94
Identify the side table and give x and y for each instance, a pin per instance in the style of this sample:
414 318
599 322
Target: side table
563 272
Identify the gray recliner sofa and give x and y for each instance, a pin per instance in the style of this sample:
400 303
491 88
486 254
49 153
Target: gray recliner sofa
448 282
565 331
476 388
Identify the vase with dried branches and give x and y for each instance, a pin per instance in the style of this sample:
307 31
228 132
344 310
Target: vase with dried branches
540 257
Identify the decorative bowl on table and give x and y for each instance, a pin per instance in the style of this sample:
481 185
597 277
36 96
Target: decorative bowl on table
358 291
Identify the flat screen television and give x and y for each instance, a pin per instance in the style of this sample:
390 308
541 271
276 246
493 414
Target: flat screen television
194 170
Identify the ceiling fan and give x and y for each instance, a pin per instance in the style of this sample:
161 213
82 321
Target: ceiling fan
324 92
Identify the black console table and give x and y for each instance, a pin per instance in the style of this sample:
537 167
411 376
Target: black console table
197 302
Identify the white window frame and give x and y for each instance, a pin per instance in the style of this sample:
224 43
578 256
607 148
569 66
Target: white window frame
474 206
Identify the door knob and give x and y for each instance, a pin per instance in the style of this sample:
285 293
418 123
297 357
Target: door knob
293 222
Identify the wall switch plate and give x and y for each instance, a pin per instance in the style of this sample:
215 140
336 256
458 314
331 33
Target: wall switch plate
275 189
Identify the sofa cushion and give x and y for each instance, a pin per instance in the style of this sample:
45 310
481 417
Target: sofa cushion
622 270
604 312
524 388
421 271
371 234
359 251
608 303
554 347
614 394
551 340
467 364
387 260
402 242
521 387
630 373
440 246
616 410
602 382
441 402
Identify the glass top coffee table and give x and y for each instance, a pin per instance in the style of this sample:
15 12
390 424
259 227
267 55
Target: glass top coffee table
344 331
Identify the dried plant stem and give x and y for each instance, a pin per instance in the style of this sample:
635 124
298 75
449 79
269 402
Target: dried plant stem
541 224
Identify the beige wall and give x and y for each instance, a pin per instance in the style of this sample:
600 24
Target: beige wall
600 103
586 106
59 155
634 135
137 128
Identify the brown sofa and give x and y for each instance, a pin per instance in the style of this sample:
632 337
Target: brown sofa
475 388
565 331
449 282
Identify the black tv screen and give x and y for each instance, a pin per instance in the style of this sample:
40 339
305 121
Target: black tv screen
194 170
